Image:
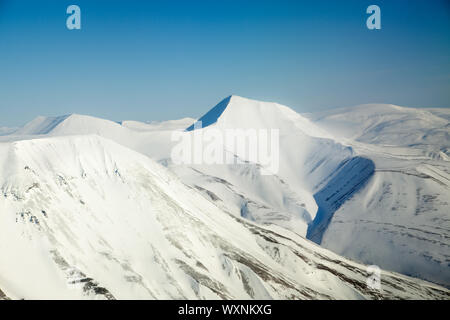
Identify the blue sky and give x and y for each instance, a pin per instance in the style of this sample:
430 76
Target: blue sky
156 60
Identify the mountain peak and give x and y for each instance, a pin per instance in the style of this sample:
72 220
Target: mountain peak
42 125
239 112
212 115
66 124
235 102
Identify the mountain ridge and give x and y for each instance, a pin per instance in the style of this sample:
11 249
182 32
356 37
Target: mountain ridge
100 221
405 191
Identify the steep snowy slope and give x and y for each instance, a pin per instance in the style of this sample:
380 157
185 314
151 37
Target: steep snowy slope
244 192
400 220
306 167
83 217
41 125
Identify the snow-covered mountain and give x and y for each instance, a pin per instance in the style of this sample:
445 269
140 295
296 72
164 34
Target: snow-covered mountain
83 217
422 130
401 218
378 176
306 167
85 200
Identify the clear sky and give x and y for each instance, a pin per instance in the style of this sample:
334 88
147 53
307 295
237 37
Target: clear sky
156 60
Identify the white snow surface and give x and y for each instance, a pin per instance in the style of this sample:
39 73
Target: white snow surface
93 214
158 125
400 219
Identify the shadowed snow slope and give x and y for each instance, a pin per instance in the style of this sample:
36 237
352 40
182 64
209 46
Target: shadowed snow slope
212 115
41 125
354 173
83 217
400 219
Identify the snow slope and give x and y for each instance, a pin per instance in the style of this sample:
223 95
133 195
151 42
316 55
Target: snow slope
370 183
157 125
41 125
315 170
71 125
150 139
374 181
427 130
83 217
400 219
